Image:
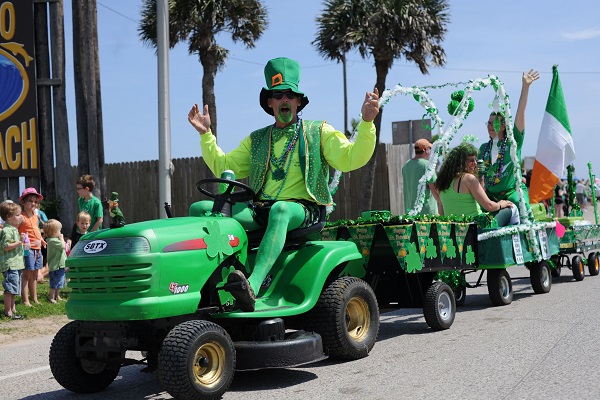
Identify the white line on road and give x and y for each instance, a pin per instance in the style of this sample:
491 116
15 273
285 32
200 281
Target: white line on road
26 372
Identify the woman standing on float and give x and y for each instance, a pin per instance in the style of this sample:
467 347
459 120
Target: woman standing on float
499 179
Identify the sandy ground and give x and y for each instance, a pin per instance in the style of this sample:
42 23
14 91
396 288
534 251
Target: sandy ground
13 331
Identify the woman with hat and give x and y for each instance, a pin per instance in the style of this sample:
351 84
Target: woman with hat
30 200
288 166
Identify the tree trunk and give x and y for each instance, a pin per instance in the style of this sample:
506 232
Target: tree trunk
208 90
64 184
368 171
88 104
44 102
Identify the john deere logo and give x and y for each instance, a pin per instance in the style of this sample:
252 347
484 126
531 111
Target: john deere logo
95 246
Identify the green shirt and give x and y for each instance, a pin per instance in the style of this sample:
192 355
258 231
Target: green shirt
340 153
459 203
412 171
93 207
56 253
506 177
12 259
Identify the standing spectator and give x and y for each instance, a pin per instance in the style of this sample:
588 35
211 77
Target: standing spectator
42 273
88 202
412 171
30 199
12 264
56 258
580 193
82 224
559 194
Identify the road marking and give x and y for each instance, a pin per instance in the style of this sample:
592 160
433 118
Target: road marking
26 372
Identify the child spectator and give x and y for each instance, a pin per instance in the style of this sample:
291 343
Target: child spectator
56 258
88 202
82 224
30 199
12 262
42 273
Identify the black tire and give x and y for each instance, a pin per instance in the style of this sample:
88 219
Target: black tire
74 374
593 264
541 277
439 306
460 296
578 268
196 361
347 318
499 287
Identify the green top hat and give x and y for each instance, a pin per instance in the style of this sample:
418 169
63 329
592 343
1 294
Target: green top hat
114 196
281 74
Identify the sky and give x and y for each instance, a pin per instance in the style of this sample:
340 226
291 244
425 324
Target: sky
483 38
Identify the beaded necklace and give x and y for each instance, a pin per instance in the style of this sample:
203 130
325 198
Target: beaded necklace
278 164
281 165
487 158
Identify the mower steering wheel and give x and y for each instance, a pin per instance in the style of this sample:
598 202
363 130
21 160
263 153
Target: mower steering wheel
244 195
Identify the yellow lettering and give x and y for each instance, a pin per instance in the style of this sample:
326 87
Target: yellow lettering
7 14
13 135
2 154
29 145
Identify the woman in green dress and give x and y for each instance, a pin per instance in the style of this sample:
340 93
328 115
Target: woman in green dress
499 179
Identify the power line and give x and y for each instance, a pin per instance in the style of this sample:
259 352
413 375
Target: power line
116 12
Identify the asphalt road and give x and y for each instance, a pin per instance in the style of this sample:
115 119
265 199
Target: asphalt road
538 347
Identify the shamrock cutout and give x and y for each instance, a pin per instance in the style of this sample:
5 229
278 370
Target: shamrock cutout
470 257
225 273
431 249
217 244
451 252
413 259
354 269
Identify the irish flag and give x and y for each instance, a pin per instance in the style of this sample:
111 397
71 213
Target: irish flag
555 145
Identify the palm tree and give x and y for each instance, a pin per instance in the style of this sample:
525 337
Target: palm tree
385 30
198 22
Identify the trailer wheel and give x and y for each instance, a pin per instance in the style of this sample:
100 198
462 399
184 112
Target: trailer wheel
577 267
460 296
541 277
74 374
196 361
593 264
347 318
499 287
439 306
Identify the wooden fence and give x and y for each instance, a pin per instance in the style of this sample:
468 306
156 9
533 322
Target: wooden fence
137 185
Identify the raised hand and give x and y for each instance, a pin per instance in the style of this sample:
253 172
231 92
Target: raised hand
529 77
370 107
199 120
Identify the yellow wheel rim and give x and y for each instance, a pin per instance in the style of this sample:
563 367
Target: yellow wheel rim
358 319
209 364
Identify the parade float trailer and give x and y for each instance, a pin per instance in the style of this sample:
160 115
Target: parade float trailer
580 237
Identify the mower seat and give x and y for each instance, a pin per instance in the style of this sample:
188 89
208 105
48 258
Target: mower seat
293 237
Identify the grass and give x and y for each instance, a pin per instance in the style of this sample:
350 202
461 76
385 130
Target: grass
45 308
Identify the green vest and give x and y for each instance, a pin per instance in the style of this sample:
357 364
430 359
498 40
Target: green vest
315 169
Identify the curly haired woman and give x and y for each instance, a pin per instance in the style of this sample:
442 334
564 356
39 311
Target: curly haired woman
461 192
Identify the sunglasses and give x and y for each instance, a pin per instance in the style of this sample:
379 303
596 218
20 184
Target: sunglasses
288 95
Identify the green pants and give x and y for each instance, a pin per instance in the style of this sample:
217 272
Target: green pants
284 216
